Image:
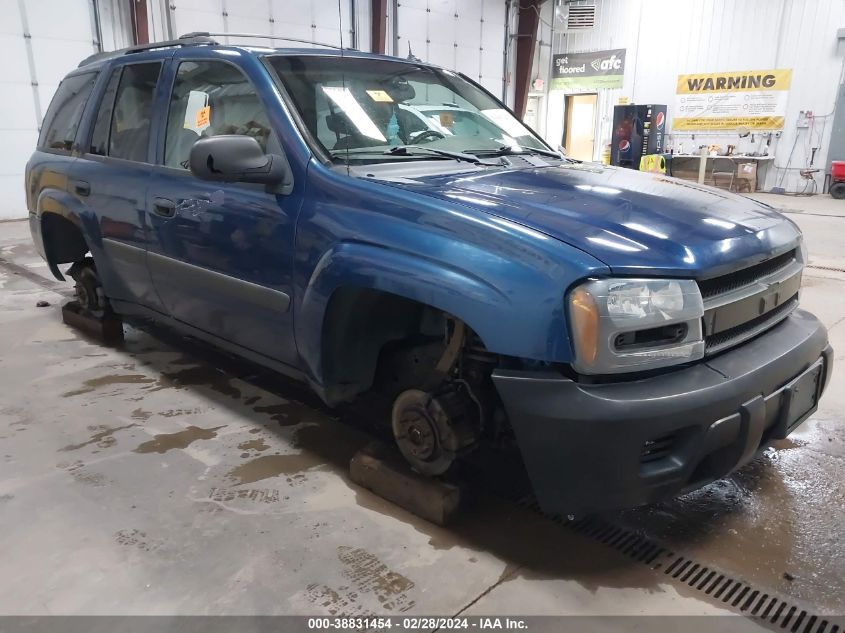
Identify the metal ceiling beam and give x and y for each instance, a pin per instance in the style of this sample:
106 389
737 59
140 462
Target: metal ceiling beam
378 15
526 40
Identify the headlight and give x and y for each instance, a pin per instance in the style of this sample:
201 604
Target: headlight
635 324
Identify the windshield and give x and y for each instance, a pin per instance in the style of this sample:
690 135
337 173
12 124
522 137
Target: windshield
358 109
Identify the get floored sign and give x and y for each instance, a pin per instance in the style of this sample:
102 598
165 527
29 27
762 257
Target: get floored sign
588 71
755 99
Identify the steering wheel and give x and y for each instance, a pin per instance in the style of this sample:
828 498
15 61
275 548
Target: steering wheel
425 134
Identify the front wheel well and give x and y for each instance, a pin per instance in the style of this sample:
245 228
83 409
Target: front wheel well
64 242
359 322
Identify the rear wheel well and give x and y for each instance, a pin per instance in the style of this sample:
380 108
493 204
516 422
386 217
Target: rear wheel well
64 242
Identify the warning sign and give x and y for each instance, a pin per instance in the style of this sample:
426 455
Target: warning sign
755 99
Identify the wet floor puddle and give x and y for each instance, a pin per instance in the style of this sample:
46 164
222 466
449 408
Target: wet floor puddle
268 466
93 384
258 445
199 376
164 442
288 413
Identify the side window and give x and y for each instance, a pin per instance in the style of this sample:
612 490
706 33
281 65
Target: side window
65 112
129 133
100 136
208 99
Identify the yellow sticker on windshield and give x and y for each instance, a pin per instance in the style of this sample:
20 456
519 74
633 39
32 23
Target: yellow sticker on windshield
203 116
380 95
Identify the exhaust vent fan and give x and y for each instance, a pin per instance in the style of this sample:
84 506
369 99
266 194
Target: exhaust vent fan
578 17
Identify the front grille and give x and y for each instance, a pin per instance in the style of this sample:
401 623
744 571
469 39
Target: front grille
735 335
734 281
747 302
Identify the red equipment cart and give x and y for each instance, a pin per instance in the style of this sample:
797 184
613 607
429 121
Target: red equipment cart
837 179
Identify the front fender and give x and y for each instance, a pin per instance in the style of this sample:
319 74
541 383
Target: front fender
497 315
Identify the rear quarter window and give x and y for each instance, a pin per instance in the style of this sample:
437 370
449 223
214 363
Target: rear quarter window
65 112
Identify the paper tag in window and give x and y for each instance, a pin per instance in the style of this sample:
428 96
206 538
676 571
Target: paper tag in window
203 117
380 95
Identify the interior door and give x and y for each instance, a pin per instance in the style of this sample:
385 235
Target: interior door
580 126
221 254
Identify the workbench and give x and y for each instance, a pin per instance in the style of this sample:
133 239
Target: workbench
702 164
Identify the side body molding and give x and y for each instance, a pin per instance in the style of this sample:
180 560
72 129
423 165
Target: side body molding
200 279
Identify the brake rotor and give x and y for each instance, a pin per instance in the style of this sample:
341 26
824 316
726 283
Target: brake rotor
88 290
430 430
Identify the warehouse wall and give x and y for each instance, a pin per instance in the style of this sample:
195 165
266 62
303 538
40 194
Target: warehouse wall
39 43
310 20
41 40
464 35
665 39
467 35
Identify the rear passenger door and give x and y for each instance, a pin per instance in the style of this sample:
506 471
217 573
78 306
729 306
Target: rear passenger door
112 178
221 254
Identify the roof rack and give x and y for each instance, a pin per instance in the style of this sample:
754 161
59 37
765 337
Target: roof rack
192 39
198 34
197 38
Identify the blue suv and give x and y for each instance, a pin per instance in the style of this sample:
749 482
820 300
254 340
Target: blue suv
372 225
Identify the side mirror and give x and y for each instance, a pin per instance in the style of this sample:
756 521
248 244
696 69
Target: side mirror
235 158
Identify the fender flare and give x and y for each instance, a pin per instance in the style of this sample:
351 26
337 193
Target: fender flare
362 265
60 203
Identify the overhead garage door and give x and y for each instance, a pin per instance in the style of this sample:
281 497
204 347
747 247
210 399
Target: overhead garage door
40 42
309 20
466 35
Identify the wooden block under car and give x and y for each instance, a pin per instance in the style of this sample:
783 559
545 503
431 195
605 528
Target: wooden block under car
384 472
107 329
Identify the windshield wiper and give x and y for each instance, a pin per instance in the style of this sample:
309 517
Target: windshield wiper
508 150
411 150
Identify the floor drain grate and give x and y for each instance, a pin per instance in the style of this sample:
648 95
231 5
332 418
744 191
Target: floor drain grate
764 608
736 594
836 269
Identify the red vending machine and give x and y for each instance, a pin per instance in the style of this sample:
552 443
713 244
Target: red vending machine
637 130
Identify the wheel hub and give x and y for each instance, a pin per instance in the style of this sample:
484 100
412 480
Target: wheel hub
82 295
416 432
88 290
430 430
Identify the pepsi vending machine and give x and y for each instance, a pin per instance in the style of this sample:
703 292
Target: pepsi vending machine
637 130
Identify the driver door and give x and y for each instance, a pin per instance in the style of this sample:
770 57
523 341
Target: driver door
221 254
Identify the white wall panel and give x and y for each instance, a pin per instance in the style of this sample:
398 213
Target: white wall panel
38 48
665 39
311 20
463 34
187 19
466 35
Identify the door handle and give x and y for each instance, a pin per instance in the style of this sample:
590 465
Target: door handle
164 207
82 187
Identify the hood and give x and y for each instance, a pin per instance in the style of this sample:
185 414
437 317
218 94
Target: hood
634 222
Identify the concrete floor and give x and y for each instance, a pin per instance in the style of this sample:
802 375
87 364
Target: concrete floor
148 480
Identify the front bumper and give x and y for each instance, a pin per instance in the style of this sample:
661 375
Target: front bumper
593 447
